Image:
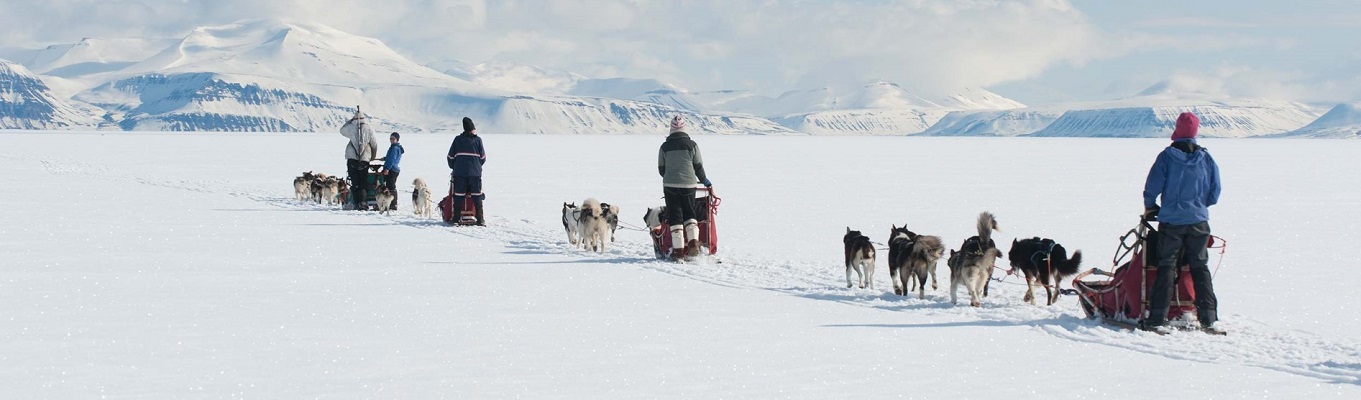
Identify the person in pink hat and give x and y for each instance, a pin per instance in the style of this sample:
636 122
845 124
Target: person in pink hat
682 168
1186 179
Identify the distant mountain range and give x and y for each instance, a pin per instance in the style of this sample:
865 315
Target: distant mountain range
269 75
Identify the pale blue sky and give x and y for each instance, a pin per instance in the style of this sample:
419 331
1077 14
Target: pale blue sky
1035 51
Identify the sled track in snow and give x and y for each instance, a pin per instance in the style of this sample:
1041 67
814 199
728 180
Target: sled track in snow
1249 343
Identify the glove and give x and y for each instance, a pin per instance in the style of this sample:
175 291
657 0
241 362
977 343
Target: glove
1151 213
707 183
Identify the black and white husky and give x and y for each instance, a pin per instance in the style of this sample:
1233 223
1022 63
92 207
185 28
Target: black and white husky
972 265
859 257
571 215
899 241
592 225
1043 260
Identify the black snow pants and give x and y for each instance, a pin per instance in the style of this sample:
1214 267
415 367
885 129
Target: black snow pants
359 183
1181 245
680 205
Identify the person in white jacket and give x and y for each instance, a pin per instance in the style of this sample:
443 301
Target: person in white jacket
361 148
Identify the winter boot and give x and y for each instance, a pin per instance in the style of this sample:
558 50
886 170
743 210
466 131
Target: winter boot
677 242
691 238
477 210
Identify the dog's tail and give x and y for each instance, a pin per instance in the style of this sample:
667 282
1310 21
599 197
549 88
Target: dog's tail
927 247
986 224
1069 266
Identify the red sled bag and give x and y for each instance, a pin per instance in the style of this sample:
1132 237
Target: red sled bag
446 209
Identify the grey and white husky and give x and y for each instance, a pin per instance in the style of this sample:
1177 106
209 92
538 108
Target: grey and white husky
972 265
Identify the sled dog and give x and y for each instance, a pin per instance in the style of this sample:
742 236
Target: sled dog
899 241
592 225
571 215
318 182
611 213
1045 261
859 257
329 189
384 198
972 265
653 217
421 202
302 186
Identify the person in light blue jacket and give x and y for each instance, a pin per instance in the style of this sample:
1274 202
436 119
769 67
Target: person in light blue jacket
392 165
1186 179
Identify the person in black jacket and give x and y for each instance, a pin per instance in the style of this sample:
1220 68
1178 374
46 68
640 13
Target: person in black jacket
682 167
466 157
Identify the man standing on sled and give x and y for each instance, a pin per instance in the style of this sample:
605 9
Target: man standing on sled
466 157
681 167
1187 179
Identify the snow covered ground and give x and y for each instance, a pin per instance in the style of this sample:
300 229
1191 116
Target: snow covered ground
178 266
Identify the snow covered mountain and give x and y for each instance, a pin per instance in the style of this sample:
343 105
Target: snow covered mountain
93 55
26 102
1243 119
1153 113
876 108
282 76
993 122
1341 122
271 75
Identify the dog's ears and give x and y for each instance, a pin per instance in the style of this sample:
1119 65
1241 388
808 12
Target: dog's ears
848 229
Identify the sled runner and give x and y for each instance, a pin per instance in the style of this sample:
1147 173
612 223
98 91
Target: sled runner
706 212
1122 298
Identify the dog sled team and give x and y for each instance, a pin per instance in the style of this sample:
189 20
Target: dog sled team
1184 178
1141 293
913 257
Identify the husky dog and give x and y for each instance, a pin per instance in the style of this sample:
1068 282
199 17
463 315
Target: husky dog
859 257
653 217
611 217
570 217
972 265
899 241
987 223
384 198
343 194
421 202
653 220
971 270
1043 260
915 265
329 189
302 186
592 225
318 183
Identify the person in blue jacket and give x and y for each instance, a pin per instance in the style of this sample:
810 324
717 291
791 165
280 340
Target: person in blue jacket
392 165
1186 178
466 157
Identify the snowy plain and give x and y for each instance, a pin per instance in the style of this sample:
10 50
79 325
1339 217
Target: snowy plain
174 265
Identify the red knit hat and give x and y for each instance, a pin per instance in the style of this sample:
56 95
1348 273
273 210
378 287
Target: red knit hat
1187 126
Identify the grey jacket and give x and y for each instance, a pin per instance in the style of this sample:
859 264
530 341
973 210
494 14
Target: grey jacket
679 162
362 146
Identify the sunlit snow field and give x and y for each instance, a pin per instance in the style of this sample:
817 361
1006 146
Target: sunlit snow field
171 265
